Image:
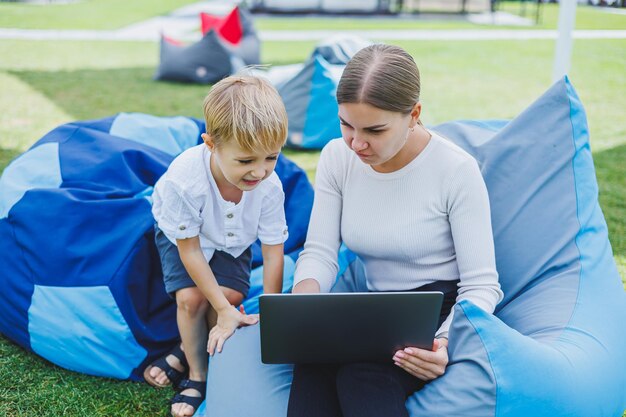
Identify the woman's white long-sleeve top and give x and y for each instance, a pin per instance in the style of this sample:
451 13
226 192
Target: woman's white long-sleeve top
428 221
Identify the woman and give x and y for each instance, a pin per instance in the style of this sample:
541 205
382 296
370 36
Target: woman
414 208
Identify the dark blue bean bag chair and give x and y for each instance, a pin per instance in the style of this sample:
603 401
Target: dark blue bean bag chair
81 279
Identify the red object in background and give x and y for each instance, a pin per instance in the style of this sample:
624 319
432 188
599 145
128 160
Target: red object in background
172 40
228 27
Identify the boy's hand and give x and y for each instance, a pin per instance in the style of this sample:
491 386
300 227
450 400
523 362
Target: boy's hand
242 310
228 320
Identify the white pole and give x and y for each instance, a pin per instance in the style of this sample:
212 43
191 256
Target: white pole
563 52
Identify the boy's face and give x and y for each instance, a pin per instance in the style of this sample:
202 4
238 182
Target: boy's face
240 168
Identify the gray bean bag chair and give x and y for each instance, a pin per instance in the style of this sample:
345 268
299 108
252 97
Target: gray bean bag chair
228 45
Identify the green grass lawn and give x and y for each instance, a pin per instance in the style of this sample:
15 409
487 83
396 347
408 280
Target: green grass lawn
44 84
586 18
85 14
106 15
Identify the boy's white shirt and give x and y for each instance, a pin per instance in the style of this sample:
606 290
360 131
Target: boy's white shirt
187 203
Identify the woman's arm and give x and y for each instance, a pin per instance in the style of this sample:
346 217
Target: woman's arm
470 224
273 262
318 260
469 215
228 318
307 286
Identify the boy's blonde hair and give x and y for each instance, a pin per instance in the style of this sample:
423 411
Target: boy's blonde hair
248 110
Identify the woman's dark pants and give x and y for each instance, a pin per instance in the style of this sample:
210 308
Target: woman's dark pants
359 389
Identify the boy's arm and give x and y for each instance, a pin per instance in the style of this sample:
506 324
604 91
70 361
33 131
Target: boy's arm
273 262
228 318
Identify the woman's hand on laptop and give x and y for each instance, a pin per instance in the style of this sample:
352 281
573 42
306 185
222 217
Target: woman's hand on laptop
307 286
424 364
228 320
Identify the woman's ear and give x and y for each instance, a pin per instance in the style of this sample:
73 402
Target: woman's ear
415 114
208 141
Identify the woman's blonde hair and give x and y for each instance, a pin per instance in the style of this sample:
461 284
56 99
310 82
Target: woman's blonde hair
383 76
248 110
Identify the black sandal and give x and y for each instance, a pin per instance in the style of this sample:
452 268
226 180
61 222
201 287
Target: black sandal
195 402
174 375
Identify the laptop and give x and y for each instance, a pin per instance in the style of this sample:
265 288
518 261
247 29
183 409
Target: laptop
346 327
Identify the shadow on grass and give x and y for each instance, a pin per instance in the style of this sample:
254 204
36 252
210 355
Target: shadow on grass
46 390
6 156
90 94
611 173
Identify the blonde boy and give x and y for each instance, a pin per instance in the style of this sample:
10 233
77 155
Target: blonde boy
210 206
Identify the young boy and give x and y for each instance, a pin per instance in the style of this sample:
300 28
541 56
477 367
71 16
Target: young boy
210 206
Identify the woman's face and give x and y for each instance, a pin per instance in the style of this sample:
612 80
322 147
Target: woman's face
376 136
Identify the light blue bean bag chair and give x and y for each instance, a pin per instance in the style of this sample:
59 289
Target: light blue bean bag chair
556 345
309 91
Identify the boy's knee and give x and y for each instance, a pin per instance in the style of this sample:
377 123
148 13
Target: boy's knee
234 297
191 301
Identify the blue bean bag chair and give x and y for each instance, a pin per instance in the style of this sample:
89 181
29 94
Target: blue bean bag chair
339 49
311 105
309 91
556 345
81 278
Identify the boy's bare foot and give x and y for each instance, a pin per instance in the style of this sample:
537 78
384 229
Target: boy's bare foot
167 370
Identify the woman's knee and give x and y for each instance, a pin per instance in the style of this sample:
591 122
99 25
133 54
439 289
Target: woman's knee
353 373
192 301
370 389
364 377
